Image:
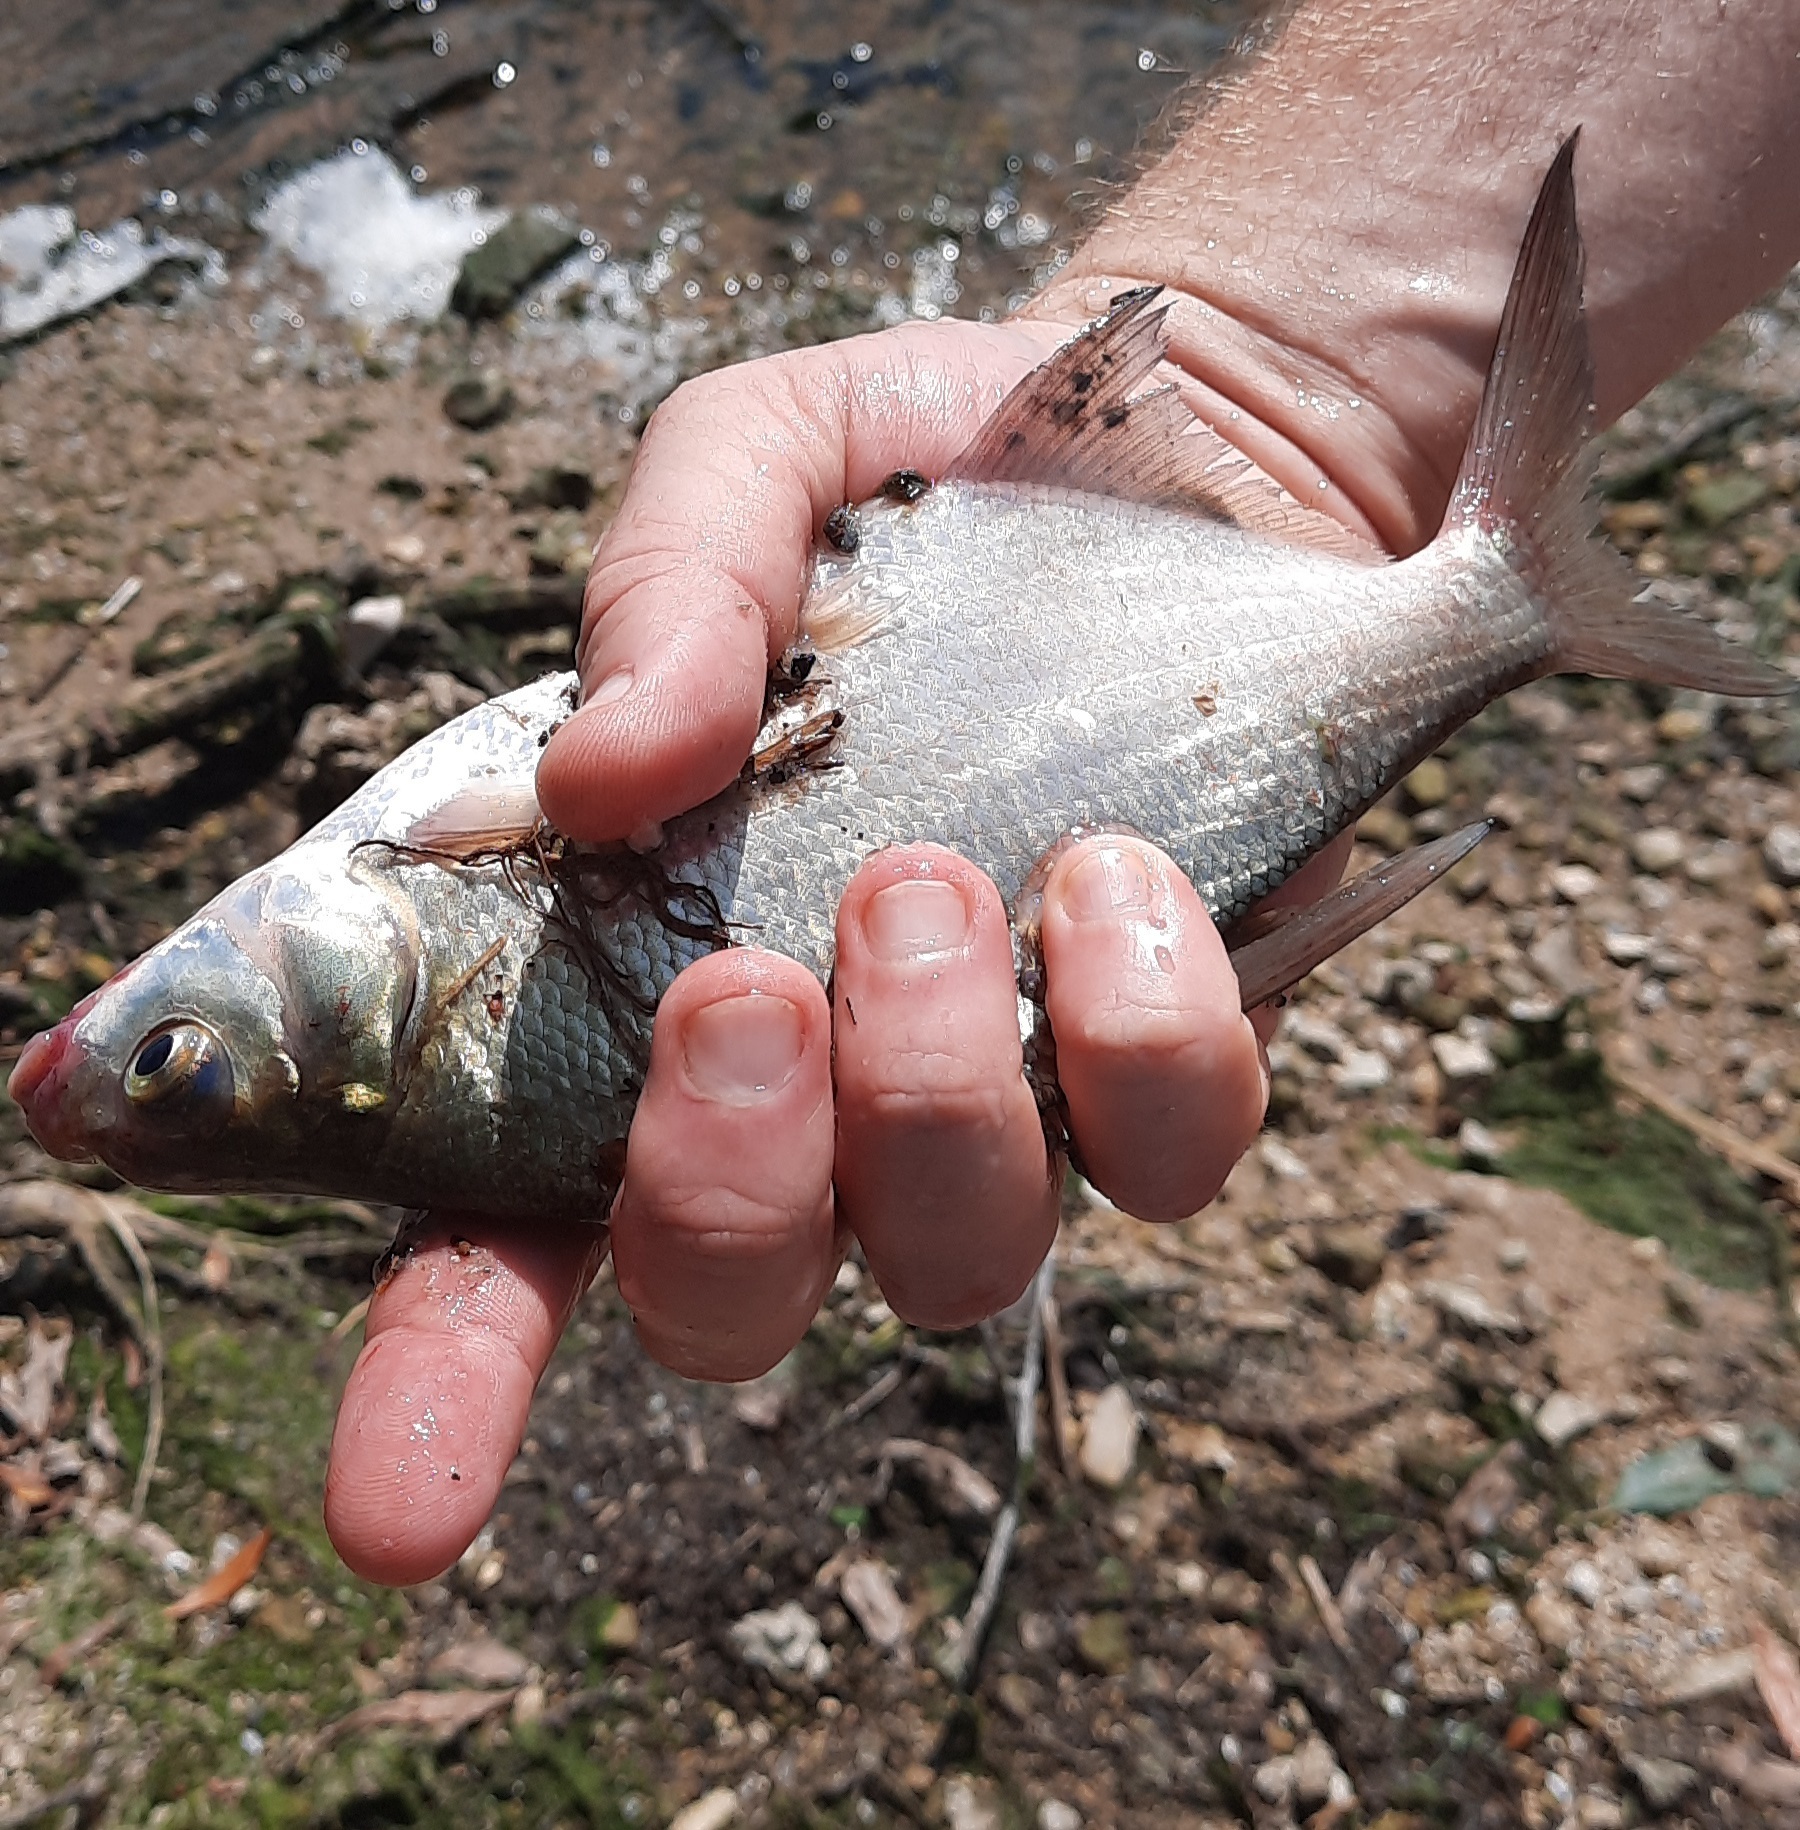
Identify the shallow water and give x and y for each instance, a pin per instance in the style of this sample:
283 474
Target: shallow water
788 133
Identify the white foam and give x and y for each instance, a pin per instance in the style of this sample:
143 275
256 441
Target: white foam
383 251
49 271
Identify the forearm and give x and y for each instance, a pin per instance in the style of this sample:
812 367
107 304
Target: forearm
1344 211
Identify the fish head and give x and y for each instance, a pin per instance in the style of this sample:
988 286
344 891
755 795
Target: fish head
258 1047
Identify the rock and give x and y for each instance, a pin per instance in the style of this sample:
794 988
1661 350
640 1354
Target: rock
1643 783
1778 945
482 1661
1658 849
1575 882
369 625
1362 1070
1563 1416
867 1587
1683 723
1713 1674
1556 958
1624 948
1323 1041
1461 1059
1658 1552
1384 828
1722 499
1515 1255
561 545
1234 1595
1281 1161
528 1704
494 273
620 1633
1317 1776
1553 1621
1351 1255
1781 853
785 1642
1274 1781
1663 1783
1429 783
1109 1439
1469 1309
1485 1498
1104 1643
1583 1580
1478 1146
477 399
713 1811
1054 1814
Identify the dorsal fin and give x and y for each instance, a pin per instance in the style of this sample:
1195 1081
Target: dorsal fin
1075 422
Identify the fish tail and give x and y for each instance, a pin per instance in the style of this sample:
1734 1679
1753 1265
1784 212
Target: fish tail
1524 476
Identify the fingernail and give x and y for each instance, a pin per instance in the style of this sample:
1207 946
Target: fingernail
915 918
743 1049
614 686
1107 881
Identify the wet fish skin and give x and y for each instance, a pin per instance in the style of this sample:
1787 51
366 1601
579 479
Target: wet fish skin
1010 658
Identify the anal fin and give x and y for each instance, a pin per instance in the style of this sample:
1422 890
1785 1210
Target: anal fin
1272 954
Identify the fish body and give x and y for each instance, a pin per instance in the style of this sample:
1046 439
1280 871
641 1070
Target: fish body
1069 630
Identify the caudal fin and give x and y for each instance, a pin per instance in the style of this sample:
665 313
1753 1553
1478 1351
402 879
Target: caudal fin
1524 474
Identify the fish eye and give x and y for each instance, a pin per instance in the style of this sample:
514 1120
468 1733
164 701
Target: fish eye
181 1071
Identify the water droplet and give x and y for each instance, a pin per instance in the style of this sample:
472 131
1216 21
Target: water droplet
504 73
1146 60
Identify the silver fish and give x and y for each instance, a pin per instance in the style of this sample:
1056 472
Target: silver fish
1091 620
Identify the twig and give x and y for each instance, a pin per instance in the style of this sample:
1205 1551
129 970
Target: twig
1056 1378
1322 1599
958 1663
1730 1144
877 1392
153 1427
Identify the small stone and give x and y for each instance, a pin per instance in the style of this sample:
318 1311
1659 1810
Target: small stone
1315 1770
1682 724
1102 1640
1281 1161
867 1587
969 1806
785 1642
478 399
1470 1310
1722 499
1563 1416
1515 1255
1778 945
1663 1783
1109 1439
1462 1058
1478 1146
1037 1632
1644 783
1384 828
1362 1070
407 551
528 1704
1781 854
1553 1621
712 1811
1054 1814
1556 958
561 545
1584 1581
1575 882
1769 903
1429 784
1714 1674
620 1632
1658 1552
1658 849
1351 1255
1274 1780
499 268
1234 1595
1598 1812
1624 948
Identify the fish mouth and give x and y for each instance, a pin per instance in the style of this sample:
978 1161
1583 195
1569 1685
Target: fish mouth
39 1085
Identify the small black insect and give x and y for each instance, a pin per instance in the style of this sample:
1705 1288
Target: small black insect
904 486
841 529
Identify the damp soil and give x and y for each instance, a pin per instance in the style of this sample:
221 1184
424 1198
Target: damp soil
1354 1374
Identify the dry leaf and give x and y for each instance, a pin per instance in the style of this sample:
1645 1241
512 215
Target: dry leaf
28 1396
441 1715
1778 1678
224 1582
26 1485
480 1662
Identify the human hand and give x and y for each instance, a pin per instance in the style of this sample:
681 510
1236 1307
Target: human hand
748 1169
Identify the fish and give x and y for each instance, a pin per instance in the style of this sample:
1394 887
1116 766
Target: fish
1095 618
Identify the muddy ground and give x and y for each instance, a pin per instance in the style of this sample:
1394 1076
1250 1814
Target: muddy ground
1320 1521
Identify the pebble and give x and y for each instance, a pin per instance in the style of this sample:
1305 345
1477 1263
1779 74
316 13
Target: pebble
786 1642
1553 1621
1658 849
1363 1070
1644 783
867 1588
1055 1814
1351 1255
1713 1674
1462 1058
1483 1149
1781 854
1429 784
1575 882
1624 948
1584 1581
1515 1255
1563 1416
1323 1041
1458 1303
1109 1440
968 1808
1384 828
478 399
1280 1161
1778 945
713 1811
1664 1783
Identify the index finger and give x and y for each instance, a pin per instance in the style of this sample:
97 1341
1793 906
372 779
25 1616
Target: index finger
697 584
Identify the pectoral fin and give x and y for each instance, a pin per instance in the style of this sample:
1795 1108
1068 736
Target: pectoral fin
1276 951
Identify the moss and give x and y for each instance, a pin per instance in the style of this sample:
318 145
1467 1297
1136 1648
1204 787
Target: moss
1635 1172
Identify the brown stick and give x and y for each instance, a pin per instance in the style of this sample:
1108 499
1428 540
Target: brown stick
1730 1144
